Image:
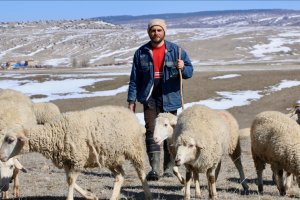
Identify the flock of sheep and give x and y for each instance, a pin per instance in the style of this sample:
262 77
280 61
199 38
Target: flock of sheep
197 139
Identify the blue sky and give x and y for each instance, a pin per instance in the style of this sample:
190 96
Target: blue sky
56 9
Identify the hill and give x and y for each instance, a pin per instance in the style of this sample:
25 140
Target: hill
211 38
214 19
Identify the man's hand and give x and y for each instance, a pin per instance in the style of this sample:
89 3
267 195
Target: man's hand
131 107
180 64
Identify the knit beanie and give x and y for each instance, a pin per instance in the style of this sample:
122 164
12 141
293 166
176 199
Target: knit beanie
157 22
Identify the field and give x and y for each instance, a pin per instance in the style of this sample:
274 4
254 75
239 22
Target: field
245 70
44 181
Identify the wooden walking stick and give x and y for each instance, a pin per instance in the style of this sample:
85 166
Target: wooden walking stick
180 76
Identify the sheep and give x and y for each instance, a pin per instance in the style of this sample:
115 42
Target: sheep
275 140
45 112
164 127
15 96
103 136
166 122
16 110
202 135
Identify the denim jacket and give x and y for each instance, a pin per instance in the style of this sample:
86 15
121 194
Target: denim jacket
142 76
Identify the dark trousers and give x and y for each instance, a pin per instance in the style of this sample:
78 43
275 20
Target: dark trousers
150 114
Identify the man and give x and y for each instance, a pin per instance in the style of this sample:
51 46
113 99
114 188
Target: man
155 82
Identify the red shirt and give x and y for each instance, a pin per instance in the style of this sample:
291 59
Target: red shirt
158 60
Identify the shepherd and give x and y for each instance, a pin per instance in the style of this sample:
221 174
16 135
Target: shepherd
155 82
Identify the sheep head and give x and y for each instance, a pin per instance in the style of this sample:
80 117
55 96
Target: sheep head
164 126
13 143
187 151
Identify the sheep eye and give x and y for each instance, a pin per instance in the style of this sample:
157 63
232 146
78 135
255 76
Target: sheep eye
10 140
190 145
166 125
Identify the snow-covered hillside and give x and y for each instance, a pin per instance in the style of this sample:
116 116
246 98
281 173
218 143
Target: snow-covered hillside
93 42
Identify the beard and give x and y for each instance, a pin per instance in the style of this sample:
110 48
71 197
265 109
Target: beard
157 40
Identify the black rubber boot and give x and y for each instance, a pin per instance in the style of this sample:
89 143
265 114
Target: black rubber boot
154 160
168 162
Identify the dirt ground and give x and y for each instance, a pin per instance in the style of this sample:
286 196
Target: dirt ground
46 182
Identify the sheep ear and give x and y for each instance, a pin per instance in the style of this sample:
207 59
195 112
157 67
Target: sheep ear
173 122
18 165
23 137
199 145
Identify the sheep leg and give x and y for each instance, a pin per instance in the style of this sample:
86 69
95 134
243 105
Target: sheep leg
71 179
119 174
218 170
4 195
197 184
259 166
16 187
85 193
288 181
279 180
187 191
178 175
210 174
236 159
142 176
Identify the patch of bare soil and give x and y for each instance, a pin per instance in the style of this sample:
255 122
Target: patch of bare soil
46 182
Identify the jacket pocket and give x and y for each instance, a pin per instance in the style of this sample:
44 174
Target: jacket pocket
145 64
171 70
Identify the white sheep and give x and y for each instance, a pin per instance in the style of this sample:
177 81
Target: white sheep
13 95
275 139
16 110
202 135
45 112
164 127
103 136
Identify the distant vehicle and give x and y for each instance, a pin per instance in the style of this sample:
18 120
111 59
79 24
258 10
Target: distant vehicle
20 65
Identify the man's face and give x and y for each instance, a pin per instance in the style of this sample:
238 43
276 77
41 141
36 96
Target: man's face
156 34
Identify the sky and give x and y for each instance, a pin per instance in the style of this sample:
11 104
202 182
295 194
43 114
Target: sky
56 9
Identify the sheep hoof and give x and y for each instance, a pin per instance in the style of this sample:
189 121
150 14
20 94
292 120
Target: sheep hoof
282 193
24 170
